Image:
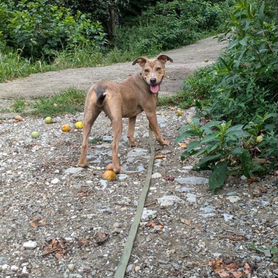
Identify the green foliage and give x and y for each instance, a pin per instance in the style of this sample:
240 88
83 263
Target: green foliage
241 89
227 149
71 101
169 25
19 105
39 29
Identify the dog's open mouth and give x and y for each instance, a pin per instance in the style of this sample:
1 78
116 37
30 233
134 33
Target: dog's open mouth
155 88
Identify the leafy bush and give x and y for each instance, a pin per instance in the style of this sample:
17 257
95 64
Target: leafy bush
241 90
169 25
39 29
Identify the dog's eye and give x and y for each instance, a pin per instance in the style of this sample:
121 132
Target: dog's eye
146 70
158 69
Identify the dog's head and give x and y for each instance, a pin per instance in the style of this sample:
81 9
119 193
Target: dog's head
153 71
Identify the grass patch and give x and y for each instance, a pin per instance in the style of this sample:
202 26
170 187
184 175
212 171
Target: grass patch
19 106
68 102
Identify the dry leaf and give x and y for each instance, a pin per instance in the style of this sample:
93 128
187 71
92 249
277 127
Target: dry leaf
38 222
156 225
230 269
101 237
57 247
169 178
160 156
183 145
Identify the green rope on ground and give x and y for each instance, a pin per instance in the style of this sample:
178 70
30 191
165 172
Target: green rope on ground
121 269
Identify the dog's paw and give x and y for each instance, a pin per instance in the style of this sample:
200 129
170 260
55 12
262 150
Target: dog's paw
83 164
110 166
164 142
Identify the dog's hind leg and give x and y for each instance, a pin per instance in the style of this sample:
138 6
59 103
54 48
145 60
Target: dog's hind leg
115 116
91 113
131 129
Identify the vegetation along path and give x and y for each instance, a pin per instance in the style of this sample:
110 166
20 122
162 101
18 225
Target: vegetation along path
61 221
186 60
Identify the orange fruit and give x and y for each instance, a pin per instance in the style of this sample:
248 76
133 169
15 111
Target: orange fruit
109 175
66 128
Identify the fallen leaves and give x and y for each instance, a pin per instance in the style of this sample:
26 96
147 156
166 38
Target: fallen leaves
38 222
231 269
155 225
56 247
101 237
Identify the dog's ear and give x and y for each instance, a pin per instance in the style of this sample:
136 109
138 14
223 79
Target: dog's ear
141 61
164 58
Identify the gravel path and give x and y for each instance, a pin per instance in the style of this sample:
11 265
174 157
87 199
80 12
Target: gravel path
60 221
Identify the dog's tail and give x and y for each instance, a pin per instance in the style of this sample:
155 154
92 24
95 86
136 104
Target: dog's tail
101 94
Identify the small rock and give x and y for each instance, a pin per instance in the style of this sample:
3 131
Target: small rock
107 138
122 177
24 270
55 181
73 170
103 183
233 199
129 268
208 211
71 267
117 225
137 268
14 268
167 201
227 217
192 180
140 168
191 198
156 175
184 189
30 244
5 267
148 214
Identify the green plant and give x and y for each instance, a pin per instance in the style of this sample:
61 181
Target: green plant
71 101
226 149
19 105
39 32
171 24
240 90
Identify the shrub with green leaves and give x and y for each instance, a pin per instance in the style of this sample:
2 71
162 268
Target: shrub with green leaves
241 90
171 24
38 29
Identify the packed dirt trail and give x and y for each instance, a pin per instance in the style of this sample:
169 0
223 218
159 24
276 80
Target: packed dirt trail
186 60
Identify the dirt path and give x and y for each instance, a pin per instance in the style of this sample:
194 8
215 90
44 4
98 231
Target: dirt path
186 60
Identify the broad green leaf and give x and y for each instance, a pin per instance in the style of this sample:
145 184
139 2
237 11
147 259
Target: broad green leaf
205 162
218 177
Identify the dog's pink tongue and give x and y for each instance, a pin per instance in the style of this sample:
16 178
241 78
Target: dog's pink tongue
155 89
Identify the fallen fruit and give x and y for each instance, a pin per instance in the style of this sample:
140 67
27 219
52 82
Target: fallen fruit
48 120
109 175
259 139
35 134
179 113
79 125
18 118
66 128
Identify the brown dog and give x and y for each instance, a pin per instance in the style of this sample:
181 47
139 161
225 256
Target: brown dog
125 100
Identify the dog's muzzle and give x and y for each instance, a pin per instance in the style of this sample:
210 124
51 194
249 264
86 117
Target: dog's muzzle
154 87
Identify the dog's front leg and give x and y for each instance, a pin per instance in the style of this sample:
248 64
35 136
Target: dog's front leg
155 128
117 132
131 129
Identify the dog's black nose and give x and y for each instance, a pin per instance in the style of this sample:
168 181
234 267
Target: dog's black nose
153 81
